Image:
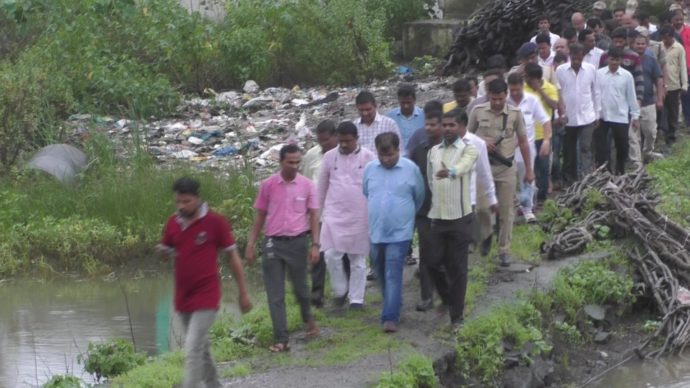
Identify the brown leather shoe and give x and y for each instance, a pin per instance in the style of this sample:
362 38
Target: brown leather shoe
390 327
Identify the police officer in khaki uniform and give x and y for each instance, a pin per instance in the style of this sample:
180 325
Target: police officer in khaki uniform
503 128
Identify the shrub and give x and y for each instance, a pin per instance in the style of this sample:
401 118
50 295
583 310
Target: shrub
33 96
64 382
416 371
590 282
341 41
111 359
164 372
480 344
399 12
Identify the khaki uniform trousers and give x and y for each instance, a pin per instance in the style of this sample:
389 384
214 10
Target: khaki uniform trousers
505 179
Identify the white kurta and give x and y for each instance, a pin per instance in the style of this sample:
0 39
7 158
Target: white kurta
344 206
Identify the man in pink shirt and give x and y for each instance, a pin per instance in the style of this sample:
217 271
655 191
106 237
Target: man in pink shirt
344 215
287 209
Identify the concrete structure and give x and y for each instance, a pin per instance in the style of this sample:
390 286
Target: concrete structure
429 37
435 36
460 9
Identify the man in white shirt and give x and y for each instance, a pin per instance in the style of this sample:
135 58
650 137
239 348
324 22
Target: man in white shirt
618 107
545 54
370 123
544 27
592 52
581 104
533 112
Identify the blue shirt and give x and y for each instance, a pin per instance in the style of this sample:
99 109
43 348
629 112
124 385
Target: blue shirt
393 198
618 99
651 73
418 138
407 125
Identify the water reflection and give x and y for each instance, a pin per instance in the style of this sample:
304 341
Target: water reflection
44 326
672 372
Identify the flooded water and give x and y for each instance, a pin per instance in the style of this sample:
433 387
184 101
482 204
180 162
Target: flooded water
673 372
44 326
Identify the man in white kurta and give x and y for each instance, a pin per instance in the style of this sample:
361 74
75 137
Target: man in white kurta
345 228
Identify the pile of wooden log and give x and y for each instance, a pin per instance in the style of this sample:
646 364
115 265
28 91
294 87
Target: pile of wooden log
661 255
502 26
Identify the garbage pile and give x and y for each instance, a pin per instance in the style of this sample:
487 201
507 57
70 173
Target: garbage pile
233 128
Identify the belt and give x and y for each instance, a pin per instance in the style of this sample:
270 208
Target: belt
288 238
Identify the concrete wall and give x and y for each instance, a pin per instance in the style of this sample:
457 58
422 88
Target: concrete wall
460 9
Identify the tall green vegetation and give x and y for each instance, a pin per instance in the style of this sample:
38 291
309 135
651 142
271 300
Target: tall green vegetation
136 57
115 213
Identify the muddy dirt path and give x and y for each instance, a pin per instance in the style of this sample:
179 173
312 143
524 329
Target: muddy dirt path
427 333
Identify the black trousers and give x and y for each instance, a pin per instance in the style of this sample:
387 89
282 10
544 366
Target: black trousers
602 152
318 280
574 161
451 240
426 248
671 108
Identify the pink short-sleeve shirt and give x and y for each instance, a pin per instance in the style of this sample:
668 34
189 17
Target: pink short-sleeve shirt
286 204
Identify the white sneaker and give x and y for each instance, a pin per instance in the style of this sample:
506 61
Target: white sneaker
530 218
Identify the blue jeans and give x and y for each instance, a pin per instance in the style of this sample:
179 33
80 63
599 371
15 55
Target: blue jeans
541 171
388 260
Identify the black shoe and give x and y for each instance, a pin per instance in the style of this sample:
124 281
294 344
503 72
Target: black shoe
425 305
339 301
318 303
356 306
457 325
486 246
410 260
504 260
371 276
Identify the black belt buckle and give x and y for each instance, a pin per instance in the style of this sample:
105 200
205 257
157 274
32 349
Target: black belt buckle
288 238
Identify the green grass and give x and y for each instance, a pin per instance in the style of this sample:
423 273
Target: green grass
672 182
527 239
239 369
478 278
162 372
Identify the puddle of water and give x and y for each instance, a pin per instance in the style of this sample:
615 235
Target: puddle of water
672 372
44 326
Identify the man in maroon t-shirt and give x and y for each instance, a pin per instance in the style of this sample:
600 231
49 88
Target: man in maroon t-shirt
193 236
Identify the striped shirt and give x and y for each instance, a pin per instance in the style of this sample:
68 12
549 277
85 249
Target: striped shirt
451 198
367 133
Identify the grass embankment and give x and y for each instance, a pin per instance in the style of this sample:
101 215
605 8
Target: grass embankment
672 181
542 317
116 212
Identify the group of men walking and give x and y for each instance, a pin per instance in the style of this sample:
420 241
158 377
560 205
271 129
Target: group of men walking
453 172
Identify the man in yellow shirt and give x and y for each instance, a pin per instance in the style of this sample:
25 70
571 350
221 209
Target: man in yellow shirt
548 96
462 91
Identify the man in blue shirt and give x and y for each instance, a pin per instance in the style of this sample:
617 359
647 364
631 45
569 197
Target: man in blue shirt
394 188
408 116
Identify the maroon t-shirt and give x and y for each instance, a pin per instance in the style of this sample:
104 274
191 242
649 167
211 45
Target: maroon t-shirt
197 281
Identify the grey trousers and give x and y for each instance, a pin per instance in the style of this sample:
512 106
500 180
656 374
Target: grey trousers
199 365
279 257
